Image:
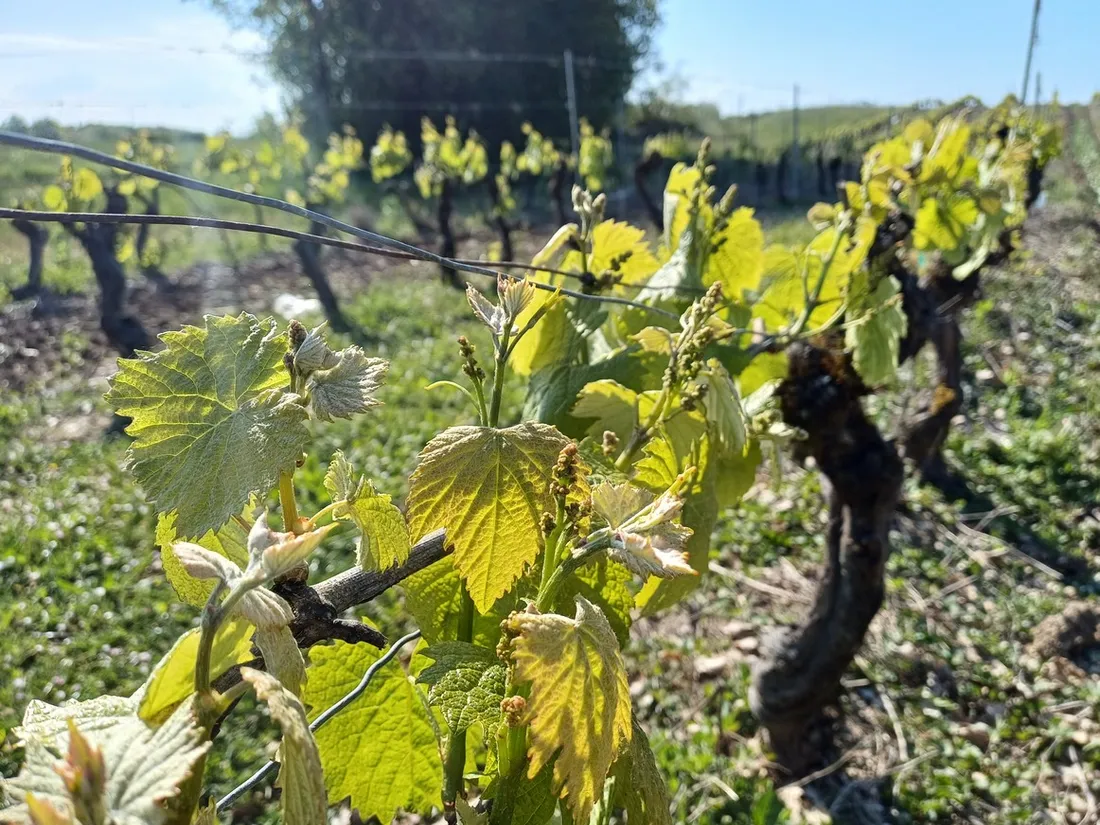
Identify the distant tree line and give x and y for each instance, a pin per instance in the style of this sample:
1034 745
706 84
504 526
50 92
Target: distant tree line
343 60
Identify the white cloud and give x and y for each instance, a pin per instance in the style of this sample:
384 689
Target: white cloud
187 69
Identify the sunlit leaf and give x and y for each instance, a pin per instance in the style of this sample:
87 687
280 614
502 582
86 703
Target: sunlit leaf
210 420
383 535
381 751
86 185
467 684
737 258
876 328
303 798
348 388
489 489
579 707
144 768
173 679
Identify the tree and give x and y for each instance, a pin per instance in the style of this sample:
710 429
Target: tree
338 57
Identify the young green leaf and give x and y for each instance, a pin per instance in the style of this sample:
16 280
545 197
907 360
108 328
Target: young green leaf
143 767
303 798
467 684
725 417
173 679
381 751
347 388
489 489
639 787
700 515
276 553
210 420
736 259
467 815
314 353
282 656
230 540
645 534
579 708
383 535
50 723
607 585
877 327
340 480
434 597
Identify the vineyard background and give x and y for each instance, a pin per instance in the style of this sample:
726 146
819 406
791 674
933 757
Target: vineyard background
976 697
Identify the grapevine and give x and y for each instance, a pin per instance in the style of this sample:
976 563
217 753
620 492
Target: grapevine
530 537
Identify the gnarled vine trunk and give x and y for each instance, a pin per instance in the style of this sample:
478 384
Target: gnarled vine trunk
36 236
932 306
557 193
309 254
642 170
151 269
800 669
504 231
99 240
448 246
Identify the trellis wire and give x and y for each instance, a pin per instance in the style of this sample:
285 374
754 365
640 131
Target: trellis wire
60 147
268 769
42 215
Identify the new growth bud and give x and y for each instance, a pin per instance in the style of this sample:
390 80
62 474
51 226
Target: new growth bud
469 362
297 335
610 443
564 475
513 709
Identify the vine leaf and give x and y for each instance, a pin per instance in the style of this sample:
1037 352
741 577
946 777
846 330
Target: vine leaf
303 798
127 768
724 413
611 406
607 585
535 800
644 536
875 338
173 679
340 480
467 815
50 723
700 515
467 684
737 259
211 422
489 489
619 248
282 656
943 224
383 535
348 388
579 708
230 540
434 598
381 750
639 787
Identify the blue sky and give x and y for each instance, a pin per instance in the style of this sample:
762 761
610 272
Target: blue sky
171 62
750 53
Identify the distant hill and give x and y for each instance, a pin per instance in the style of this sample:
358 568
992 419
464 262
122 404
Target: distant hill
768 131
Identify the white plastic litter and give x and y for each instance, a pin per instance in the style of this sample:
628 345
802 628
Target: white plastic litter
295 306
